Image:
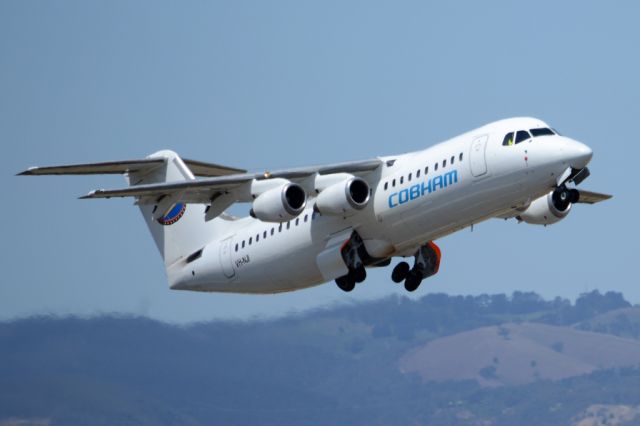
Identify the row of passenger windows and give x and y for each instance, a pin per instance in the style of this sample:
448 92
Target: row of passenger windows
513 138
393 182
282 226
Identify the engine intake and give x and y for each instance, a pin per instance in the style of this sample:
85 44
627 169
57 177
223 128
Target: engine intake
346 197
280 204
550 208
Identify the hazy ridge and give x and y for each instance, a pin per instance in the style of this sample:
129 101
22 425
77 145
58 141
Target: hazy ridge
489 359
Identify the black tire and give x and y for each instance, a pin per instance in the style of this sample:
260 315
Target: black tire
412 282
400 272
345 283
359 275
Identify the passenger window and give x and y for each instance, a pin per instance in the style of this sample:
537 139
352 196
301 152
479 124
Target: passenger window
444 163
297 221
264 235
280 228
409 177
236 247
453 158
460 156
306 217
288 225
435 167
508 140
242 243
386 185
257 237
426 170
418 174
250 239
401 180
522 136
273 230
393 183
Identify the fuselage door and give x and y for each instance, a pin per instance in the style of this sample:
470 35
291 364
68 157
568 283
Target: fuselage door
478 155
225 258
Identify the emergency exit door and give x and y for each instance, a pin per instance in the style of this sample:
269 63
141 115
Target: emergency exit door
477 156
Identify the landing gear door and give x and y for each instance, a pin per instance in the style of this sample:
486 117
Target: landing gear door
225 258
330 261
478 159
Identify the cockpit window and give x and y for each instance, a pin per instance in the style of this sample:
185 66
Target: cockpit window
522 136
508 139
542 132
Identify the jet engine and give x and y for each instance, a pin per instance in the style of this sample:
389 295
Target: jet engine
550 208
345 197
280 204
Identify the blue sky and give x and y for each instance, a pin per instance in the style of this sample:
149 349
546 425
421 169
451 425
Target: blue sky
265 85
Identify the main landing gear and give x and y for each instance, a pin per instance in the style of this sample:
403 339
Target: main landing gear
355 257
353 253
427 263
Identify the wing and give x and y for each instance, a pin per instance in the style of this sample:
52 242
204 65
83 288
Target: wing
198 168
205 190
588 197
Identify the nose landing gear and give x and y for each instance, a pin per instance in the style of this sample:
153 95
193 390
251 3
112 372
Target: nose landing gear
427 263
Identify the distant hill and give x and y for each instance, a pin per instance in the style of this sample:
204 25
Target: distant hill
624 322
332 366
515 354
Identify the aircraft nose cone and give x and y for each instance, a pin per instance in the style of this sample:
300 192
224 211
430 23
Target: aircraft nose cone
580 155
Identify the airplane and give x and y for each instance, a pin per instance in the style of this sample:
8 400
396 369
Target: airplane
310 225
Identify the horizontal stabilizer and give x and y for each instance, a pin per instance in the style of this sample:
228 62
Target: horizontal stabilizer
107 168
198 168
588 197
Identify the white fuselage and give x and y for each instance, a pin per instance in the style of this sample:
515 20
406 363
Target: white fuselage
416 198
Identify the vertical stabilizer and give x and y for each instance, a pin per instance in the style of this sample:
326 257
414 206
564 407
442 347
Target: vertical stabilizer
177 228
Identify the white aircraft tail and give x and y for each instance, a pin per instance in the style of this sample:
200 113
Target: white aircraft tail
179 230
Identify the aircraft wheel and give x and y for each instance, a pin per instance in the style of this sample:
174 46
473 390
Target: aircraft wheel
400 272
412 282
359 274
346 283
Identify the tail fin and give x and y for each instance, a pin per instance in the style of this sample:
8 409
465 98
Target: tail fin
179 230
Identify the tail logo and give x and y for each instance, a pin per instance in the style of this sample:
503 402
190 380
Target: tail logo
174 214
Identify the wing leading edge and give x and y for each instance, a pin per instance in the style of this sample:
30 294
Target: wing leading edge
205 190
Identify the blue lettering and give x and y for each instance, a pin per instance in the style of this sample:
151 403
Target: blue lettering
391 203
437 182
425 189
450 178
414 192
420 190
404 196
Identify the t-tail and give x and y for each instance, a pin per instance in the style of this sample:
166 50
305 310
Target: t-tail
178 229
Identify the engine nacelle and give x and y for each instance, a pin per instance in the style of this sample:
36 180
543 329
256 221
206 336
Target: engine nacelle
280 204
550 208
345 197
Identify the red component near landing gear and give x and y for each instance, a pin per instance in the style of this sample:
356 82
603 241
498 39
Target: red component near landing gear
438 254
